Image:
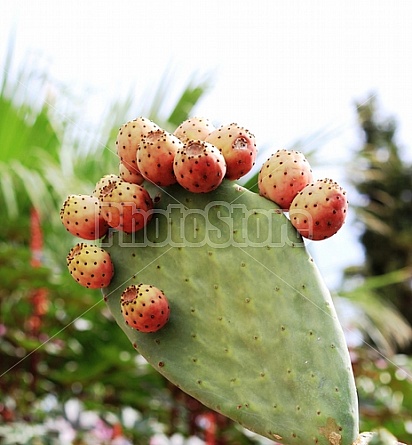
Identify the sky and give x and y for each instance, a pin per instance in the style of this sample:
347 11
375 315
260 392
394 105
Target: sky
283 69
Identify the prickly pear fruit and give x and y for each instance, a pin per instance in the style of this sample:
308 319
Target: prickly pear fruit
194 128
103 182
129 138
90 265
128 176
238 147
155 157
125 206
81 216
199 167
319 210
253 332
144 307
283 176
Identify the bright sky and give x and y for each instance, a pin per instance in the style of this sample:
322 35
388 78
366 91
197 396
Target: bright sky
284 69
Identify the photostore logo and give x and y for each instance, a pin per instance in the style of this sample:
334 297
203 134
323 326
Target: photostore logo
218 225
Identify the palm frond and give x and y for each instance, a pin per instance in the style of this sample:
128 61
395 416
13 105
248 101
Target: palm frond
7 62
378 281
191 94
154 101
8 191
24 115
382 323
373 222
377 318
35 187
169 107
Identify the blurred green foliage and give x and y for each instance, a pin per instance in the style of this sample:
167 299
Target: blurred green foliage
384 182
380 287
385 391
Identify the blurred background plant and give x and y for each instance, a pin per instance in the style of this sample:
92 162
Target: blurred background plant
378 292
68 374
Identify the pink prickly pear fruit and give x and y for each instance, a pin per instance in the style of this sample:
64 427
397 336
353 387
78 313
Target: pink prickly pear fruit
129 138
90 265
319 210
195 128
144 307
155 157
125 206
238 147
81 217
283 176
199 167
128 176
103 182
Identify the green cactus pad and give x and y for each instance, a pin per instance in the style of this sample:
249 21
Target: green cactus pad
253 332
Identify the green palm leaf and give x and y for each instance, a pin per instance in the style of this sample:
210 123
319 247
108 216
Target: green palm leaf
378 319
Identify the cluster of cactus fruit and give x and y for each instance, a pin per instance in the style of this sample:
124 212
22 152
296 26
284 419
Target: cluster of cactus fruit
198 157
243 322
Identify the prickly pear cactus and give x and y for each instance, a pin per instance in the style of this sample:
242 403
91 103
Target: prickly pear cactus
252 333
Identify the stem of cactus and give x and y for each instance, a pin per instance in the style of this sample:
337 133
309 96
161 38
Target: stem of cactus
253 333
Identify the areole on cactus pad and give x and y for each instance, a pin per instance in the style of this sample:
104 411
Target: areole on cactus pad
253 332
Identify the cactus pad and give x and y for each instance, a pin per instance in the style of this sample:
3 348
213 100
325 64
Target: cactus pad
253 332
